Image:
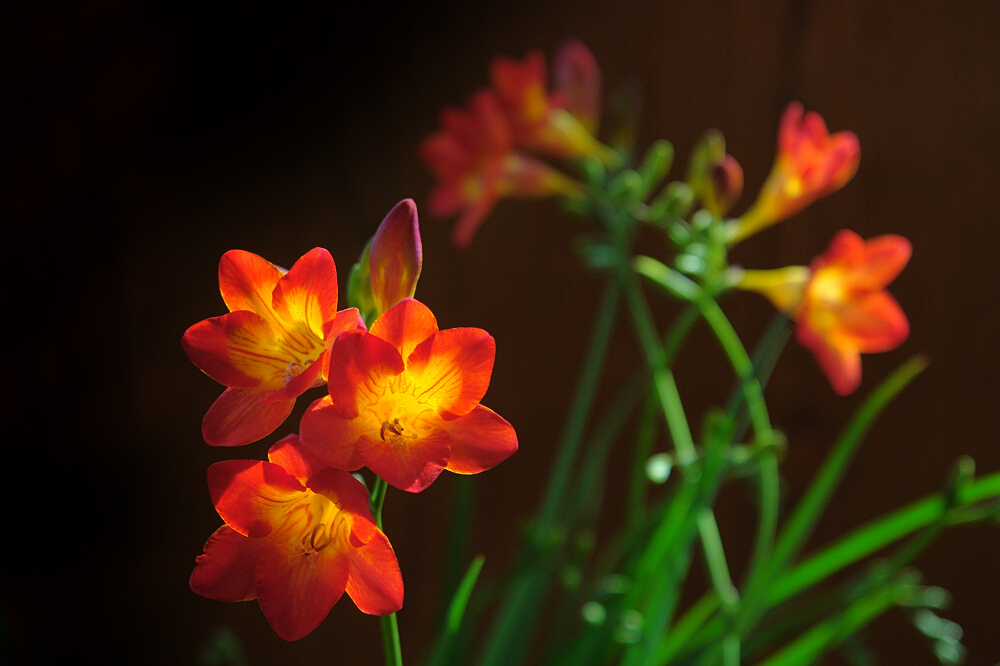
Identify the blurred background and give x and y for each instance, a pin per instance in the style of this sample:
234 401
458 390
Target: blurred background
146 139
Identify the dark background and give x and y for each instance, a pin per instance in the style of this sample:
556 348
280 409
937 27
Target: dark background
143 140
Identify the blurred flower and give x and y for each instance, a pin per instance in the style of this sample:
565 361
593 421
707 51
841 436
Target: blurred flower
577 79
390 263
840 303
404 401
715 176
297 536
271 347
811 164
537 121
475 165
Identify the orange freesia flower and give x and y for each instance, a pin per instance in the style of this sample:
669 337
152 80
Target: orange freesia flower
271 347
537 121
840 303
404 401
297 536
811 164
475 164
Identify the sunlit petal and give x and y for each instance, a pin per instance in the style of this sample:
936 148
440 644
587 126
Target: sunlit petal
480 440
240 416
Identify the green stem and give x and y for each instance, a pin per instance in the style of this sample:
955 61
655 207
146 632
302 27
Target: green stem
377 498
769 480
663 378
583 400
388 623
390 640
715 557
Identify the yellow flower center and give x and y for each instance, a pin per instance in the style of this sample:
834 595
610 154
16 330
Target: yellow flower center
310 526
396 409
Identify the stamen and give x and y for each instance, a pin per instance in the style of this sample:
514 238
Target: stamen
312 539
293 369
394 427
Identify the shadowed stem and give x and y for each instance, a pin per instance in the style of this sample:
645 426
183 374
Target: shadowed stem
388 623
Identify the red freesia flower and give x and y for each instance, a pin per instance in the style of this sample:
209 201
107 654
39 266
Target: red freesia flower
271 347
404 401
714 175
840 303
811 164
297 536
539 122
475 165
577 79
396 256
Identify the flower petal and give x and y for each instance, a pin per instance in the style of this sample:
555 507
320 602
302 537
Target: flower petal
330 436
359 359
237 349
247 281
884 258
577 80
374 582
308 292
411 466
240 416
480 440
296 592
452 368
837 356
252 495
875 322
226 570
290 454
405 325
345 491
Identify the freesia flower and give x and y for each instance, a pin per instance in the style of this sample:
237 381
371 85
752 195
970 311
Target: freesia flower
714 175
404 401
390 264
474 161
840 304
271 346
297 536
396 256
811 163
577 84
538 122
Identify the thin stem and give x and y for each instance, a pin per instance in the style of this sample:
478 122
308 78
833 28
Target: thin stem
390 640
663 378
388 623
377 498
769 481
583 400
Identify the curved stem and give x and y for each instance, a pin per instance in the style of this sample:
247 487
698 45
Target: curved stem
377 498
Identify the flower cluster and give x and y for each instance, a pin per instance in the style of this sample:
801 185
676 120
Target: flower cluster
839 302
479 155
402 398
